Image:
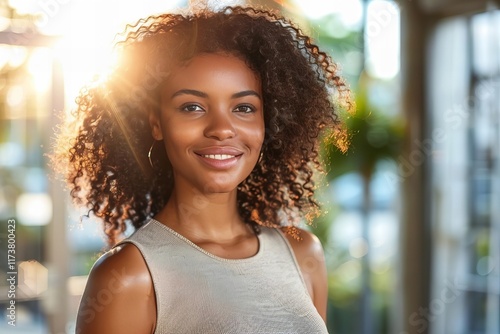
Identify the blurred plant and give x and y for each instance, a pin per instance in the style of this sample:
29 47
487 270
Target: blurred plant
374 137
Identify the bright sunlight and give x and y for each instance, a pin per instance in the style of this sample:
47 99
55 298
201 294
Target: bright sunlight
86 29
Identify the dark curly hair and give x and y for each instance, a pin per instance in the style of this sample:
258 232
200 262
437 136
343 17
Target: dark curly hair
106 163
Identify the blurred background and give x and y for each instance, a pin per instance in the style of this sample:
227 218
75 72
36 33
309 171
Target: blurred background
411 230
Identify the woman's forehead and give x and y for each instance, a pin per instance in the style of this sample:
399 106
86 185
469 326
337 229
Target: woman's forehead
212 68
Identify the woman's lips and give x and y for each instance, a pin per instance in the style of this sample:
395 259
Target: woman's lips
219 157
219 161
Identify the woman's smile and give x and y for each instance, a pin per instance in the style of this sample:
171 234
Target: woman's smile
219 157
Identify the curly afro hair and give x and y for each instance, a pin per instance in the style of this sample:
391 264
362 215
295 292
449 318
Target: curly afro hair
104 156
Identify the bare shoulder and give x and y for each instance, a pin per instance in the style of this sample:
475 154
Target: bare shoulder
123 266
117 278
308 247
311 260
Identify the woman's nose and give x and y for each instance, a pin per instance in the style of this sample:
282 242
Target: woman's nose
219 125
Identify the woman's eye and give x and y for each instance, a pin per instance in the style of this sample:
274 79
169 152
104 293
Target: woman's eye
244 109
191 108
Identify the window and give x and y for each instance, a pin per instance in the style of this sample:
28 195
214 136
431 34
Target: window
464 91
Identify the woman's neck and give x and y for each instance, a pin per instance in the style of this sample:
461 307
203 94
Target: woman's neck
199 216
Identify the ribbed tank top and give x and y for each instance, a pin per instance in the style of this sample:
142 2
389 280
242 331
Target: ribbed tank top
200 293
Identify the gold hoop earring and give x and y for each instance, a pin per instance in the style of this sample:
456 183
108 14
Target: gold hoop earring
260 157
150 153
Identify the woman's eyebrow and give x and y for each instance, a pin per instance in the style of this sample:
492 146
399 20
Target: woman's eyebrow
190 92
246 93
205 95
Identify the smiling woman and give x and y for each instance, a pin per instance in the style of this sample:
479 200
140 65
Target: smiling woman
204 137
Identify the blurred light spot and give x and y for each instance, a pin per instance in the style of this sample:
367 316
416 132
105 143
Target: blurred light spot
350 12
216 4
11 154
33 278
382 38
4 20
485 60
76 285
24 7
40 68
349 270
381 266
4 55
485 266
15 97
18 55
358 248
34 209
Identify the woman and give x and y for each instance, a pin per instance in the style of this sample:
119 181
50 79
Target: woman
204 138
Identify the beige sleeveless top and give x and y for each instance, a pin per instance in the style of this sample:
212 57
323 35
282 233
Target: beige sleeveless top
200 293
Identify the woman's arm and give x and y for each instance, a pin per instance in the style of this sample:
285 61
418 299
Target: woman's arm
310 256
119 296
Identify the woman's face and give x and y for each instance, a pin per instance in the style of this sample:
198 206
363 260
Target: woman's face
211 122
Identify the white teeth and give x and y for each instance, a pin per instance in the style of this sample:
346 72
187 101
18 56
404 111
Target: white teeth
218 156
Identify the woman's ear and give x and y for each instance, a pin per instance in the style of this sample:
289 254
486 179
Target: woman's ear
154 122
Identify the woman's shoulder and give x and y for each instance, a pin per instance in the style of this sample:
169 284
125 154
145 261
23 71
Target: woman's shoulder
117 278
124 262
303 242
